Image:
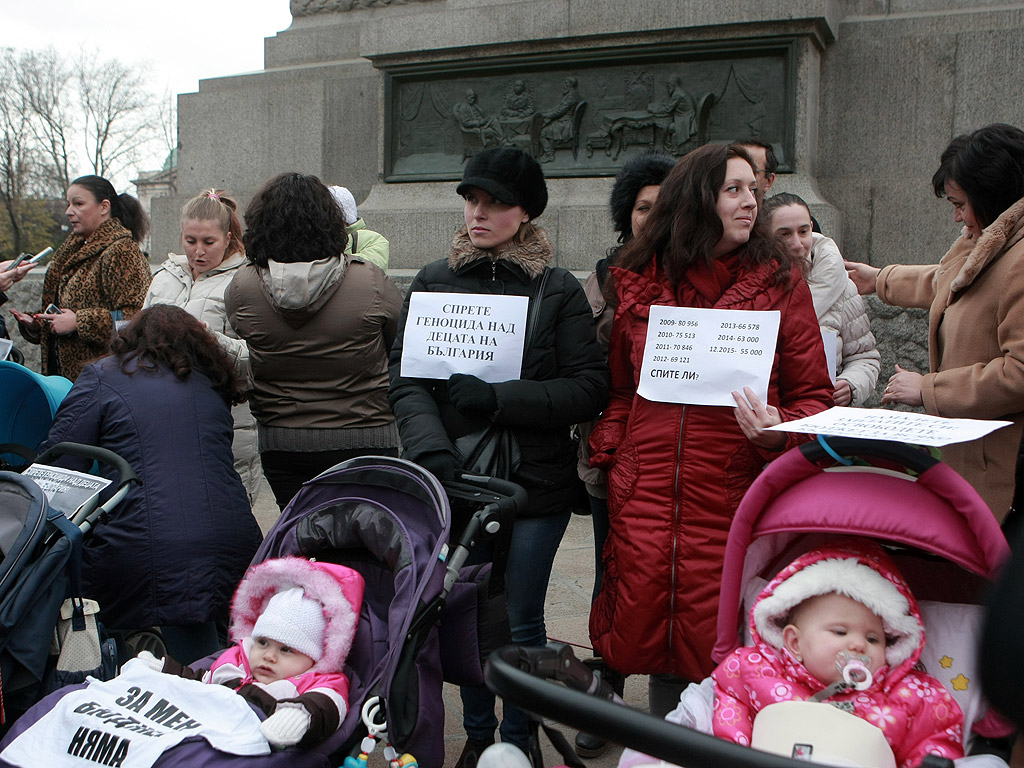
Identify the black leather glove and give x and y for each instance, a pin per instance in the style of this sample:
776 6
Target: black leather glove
441 464
468 394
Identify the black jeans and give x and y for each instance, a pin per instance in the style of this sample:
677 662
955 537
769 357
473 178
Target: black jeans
286 471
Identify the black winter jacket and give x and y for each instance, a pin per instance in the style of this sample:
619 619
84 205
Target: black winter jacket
564 378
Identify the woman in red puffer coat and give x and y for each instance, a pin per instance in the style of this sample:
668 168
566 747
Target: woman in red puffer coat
676 473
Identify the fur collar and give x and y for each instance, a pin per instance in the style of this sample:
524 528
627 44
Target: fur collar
997 238
531 257
106 234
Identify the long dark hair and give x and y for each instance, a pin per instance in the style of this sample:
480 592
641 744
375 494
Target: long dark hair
988 165
168 336
124 207
293 218
683 227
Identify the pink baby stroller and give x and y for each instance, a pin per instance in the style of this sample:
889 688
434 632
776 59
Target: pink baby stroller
941 535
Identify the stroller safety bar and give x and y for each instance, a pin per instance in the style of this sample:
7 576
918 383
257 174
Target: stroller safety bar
515 673
87 517
902 454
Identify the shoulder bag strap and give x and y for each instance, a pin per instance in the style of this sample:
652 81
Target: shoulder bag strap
536 299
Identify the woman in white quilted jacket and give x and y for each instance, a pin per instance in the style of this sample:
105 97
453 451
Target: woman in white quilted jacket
836 302
211 237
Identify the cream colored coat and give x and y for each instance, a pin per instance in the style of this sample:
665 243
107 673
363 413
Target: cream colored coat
841 309
975 297
204 300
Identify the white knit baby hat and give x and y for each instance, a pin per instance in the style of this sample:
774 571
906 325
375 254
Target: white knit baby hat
295 620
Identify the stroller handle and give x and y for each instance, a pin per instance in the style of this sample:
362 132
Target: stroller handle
124 470
514 495
514 673
494 519
906 456
87 517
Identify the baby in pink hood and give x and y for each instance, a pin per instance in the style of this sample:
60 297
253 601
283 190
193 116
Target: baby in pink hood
293 622
840 625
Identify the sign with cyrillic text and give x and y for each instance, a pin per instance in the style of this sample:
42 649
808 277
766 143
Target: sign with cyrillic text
700 356
132 720
884 424
479 334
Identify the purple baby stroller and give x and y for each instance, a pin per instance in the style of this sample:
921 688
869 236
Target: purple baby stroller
941 535
388 519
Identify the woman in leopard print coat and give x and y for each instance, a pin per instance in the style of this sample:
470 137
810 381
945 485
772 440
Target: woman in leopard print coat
97 278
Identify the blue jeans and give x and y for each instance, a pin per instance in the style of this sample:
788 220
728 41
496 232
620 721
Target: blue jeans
535 541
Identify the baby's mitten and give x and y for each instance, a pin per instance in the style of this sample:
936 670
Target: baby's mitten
287 726
151 661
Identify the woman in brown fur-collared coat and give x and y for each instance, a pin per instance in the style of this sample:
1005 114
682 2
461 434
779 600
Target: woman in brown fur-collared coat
976 308
97 278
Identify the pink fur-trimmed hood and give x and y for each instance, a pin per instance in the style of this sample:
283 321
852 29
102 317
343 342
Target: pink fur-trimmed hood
337 588
858 569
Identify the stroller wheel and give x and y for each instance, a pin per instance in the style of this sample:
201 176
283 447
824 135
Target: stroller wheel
146 640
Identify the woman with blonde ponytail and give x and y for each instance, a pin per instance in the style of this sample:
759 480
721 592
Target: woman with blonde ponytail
211 238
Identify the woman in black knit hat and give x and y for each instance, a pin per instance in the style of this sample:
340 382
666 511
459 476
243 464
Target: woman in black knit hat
563 381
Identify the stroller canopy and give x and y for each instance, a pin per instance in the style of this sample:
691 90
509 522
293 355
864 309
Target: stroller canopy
28 404
931 508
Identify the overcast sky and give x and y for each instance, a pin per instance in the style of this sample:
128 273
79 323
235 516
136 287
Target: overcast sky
181 41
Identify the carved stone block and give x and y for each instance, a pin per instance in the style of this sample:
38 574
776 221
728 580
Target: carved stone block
584 116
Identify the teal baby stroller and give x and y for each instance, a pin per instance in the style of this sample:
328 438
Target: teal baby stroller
40 546
28 402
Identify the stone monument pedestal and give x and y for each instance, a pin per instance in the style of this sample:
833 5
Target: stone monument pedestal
389 97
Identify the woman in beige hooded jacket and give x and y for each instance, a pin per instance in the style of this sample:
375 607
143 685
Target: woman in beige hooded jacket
211 236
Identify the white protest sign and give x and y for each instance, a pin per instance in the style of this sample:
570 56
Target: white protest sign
883 424
700 356
66 489
480 334
132 720
830 338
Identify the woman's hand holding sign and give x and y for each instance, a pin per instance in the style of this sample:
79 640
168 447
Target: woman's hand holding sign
754 417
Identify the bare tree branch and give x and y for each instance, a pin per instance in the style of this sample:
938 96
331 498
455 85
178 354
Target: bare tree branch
19 170
43 80
121 117
58 116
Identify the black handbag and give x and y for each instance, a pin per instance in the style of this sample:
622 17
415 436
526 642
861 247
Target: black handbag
493 450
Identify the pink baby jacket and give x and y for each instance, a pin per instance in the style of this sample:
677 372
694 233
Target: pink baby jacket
916 714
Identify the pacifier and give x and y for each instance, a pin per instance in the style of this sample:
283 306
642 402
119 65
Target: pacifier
855 670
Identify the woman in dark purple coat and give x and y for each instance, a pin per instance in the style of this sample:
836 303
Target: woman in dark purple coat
172 554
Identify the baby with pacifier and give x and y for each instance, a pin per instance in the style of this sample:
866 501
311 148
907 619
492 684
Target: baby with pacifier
838 626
